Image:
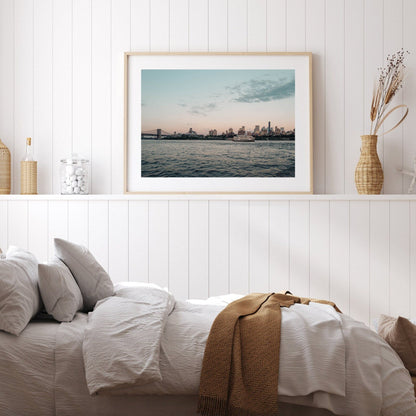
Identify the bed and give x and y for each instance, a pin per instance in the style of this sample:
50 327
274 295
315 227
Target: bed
43 368
133 349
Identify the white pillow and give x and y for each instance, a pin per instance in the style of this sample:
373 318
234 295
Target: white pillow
19 293
92 279
59 290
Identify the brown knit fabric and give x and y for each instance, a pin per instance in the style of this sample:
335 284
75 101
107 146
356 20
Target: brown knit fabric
240 370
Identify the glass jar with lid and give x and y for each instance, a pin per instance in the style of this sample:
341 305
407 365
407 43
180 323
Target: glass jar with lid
74 175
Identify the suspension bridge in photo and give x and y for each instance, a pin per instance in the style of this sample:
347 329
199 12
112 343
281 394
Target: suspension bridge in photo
156 133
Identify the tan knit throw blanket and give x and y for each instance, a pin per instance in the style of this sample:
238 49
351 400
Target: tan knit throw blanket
240 370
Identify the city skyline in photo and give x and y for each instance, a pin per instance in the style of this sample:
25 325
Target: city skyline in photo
206 100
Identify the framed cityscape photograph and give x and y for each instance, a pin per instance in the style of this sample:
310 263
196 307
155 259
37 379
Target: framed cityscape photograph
218 123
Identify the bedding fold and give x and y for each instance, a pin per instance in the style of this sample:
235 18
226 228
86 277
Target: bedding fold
122 339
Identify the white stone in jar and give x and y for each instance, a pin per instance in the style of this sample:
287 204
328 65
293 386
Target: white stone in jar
79 172
74 184
83 188
69 170
68 181
69 189
76 190
73 178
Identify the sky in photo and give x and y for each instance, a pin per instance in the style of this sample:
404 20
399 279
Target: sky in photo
176 100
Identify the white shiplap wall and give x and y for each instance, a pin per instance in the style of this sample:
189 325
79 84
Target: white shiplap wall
61 73
359 252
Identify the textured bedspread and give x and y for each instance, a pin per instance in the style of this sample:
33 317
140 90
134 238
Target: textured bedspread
43 370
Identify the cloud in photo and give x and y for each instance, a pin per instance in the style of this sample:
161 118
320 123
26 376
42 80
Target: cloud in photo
263 90
203 110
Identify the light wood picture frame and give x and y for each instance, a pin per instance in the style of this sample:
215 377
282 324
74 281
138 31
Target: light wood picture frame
178 107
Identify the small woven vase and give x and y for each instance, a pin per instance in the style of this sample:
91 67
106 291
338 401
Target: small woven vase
369 176
5 169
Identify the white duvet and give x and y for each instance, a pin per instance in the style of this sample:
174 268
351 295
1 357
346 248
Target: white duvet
327 360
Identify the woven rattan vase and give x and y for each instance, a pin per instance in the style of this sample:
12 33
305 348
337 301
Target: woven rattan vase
369 176
5 175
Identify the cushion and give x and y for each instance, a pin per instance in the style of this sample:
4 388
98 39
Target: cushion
19 293
94 282
59 290
400 333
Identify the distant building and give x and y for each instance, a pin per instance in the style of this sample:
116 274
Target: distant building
191 131
256 129
242 131
269 129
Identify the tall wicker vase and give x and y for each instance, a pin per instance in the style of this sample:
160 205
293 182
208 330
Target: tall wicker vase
369 176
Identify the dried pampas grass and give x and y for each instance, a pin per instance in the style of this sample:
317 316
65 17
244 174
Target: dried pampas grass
389 82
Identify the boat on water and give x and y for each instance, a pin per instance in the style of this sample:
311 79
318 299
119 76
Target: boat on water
243 138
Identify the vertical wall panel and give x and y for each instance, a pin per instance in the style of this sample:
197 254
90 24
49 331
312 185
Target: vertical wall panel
339 254
3 225
373 57
399 258
140 25
62 85
82 77
296 25
299 248
379 258
178 25
78 222
42 74
256 27
315 43
38 229
279 264
159 243
217 25
218 248
23 78
17 224
179 249
159 25
393 142
198 25
98 231
139 241
120 42
409 98
57 223
237 25
118 240
259 246
198 249
7 74
101 97
276 25
239 247
412 292
335 120
354 88
319 240
360 260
